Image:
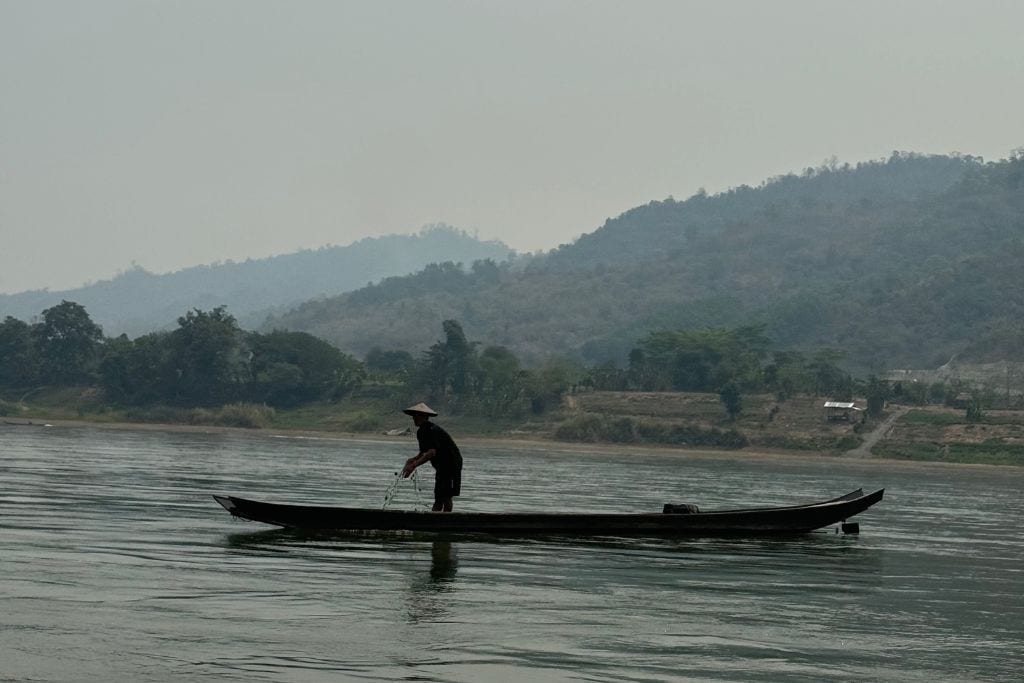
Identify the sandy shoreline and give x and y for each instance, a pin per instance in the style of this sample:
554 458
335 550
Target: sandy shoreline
403 443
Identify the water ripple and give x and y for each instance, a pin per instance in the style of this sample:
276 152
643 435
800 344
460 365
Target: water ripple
118 565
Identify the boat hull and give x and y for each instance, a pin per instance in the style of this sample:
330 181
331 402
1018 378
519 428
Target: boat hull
752 521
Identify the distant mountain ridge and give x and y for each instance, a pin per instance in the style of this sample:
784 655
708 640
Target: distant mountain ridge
901 262
136 302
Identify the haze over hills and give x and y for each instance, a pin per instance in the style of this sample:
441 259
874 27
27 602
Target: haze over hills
901 262
136 301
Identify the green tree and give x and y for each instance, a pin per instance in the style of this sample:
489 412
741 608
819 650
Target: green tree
829 378
607 377
914 393
209 358
937 392
700 360
877 391
450 368
393 363
550 380
139 371
787 375
18 367
975 412
646 374
502 381
731 400
67 342
290 368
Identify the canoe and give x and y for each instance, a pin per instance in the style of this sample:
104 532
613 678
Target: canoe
753 521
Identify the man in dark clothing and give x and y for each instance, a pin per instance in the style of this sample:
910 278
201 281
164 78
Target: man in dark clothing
437 447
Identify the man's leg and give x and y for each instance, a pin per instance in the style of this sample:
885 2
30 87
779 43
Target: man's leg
444 488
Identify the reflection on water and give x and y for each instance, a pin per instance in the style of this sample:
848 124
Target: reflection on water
426 588
843 555
444 564
118 565
430 596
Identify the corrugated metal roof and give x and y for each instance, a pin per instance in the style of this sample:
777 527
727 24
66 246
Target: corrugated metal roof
838 404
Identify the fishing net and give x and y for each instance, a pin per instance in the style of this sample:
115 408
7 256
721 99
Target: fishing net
396 485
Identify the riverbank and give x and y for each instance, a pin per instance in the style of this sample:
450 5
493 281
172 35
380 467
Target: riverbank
672 423
406 443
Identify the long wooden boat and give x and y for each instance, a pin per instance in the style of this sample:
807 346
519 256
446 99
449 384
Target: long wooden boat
766 520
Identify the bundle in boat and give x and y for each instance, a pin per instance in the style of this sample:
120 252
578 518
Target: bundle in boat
680 509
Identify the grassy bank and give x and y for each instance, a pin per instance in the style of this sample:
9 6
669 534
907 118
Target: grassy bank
945 434
677 420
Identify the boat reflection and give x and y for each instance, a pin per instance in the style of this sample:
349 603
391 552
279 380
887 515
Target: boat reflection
816 544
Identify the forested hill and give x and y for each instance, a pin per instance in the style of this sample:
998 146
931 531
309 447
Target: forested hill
900 263
648 231
137 301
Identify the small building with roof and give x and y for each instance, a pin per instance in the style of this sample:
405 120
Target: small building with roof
841 411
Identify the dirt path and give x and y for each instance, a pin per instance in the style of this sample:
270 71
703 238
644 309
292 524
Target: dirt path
875 435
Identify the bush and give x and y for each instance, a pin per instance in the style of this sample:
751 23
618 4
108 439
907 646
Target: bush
157 415
363 422
593 429
7 408
811 443
846 443
927 417
990 452
909 451
789 443
249 415
587 428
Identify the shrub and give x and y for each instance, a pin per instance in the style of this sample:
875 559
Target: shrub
157 414
909 451
846 443
991 451
251 415
591 429
975 413
810 443
248 415
926 417
363 422
586 428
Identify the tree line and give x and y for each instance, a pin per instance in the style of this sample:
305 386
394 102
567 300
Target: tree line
208 360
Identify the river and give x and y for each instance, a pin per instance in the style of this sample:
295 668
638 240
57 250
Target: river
116 564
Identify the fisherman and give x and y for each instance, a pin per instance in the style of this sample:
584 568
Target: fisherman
437 447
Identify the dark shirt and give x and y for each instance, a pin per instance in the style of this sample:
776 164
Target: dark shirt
446 453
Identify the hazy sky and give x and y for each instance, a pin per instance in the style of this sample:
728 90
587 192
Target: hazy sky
177 133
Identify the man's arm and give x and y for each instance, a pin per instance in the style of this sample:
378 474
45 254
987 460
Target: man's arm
412 463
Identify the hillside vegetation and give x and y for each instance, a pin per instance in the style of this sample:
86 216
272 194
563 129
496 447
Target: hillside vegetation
709 388
902 262
137 302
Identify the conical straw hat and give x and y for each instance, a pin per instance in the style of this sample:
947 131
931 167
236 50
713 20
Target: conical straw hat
422 409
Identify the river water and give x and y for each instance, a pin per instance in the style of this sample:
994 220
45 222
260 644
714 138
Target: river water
115 564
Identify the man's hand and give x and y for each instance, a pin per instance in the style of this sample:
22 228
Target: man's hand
410 466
